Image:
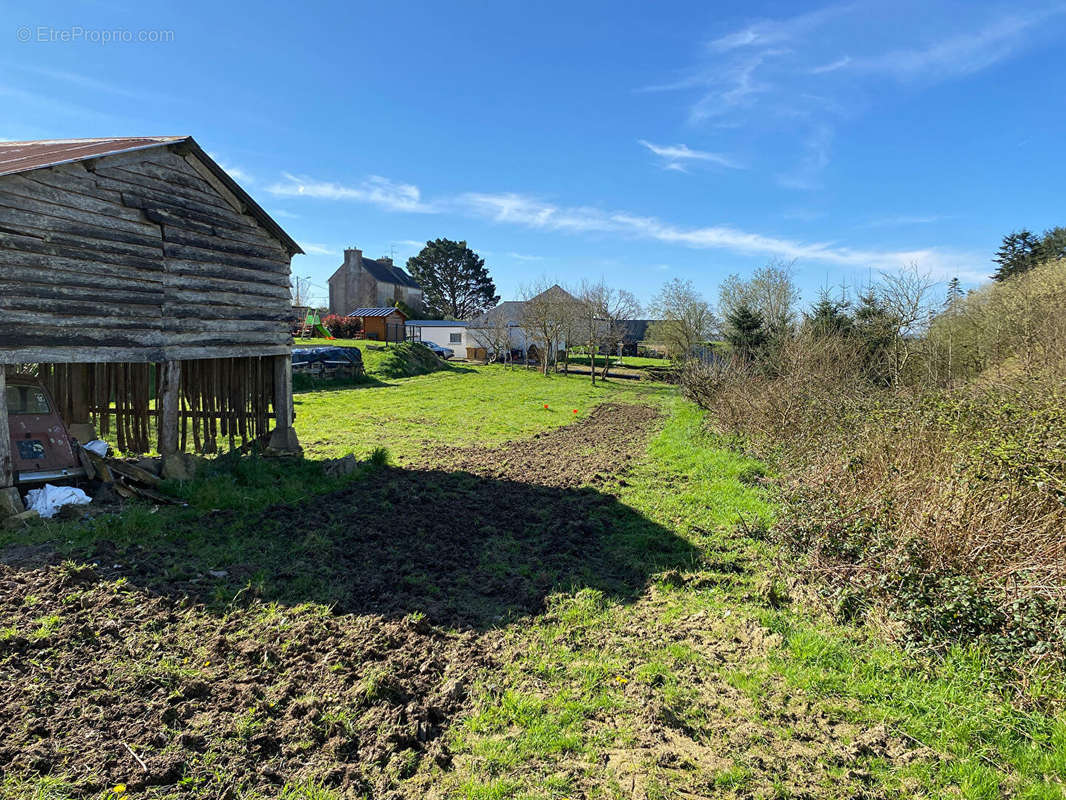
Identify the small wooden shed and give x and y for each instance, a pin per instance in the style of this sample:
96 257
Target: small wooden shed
147 287
383 324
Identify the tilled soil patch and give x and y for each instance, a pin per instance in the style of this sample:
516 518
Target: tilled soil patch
92 670
597 449
207 654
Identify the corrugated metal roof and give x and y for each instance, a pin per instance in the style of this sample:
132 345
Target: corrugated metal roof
24 156
437 323
375 312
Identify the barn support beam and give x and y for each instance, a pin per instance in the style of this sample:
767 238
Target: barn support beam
6 477
170 410
283 440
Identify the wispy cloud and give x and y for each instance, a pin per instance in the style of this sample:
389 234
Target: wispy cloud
675 156
832 66
902 220
799 77
374 190
517 209
527 211
524 257
237 173
313 249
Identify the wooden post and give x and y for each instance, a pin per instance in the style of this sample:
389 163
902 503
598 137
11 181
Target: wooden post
283 440
170 408
6 476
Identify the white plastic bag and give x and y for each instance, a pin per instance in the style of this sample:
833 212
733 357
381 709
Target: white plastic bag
47 500
96 446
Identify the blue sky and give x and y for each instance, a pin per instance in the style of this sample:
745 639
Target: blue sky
632 141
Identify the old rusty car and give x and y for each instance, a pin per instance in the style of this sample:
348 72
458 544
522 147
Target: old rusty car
41 446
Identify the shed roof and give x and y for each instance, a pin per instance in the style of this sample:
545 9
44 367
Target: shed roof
438 323
376 312
30 155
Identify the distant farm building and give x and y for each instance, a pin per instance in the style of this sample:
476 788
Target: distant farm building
371 283
148 290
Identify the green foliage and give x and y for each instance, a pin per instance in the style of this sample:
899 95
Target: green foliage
745 331
407 359
454 281
1022 250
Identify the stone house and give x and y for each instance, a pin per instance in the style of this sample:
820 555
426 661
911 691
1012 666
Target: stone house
366 282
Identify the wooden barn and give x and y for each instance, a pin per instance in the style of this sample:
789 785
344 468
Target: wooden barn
148 291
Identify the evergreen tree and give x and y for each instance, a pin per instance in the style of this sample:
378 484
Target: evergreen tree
876 327
745 331
829 317
454 281
1052 244
954 292
1020 252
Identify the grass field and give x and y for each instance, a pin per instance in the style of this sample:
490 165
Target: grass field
591 611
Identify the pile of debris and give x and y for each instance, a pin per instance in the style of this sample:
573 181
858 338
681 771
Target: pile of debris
109 482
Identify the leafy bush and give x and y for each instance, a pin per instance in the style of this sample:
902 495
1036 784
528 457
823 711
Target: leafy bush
342 327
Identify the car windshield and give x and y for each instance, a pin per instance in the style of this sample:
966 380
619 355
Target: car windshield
27 400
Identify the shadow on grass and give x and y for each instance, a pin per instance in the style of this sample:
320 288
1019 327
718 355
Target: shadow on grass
466 551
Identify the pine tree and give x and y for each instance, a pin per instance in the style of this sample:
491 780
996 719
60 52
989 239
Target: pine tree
745 331
1019 253
454 281
829 317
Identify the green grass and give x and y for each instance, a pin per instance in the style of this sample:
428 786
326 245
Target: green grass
712 680
485 405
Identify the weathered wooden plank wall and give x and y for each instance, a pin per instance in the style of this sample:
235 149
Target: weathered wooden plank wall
137 257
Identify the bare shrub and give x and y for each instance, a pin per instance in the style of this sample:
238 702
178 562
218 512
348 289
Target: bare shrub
945 504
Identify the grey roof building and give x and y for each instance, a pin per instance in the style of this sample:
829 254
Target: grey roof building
366 282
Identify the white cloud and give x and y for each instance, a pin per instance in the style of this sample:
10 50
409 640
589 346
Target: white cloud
513 208
675 155
313 249
529 212
957 55
799 77
375 190
832 66
523 257
903 219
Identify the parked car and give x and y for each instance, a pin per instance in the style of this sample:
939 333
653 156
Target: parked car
443 352
42 448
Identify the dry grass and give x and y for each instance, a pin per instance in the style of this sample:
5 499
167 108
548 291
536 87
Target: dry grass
944 502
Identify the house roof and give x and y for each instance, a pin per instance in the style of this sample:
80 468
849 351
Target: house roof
511 310
376 312
389 273
24 156
438 323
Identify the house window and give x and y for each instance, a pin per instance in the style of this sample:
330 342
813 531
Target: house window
455 338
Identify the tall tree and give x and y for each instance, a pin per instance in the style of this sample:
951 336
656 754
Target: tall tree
683 318
1019 253
454 281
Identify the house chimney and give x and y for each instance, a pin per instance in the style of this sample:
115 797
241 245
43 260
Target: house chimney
386 260
352 256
